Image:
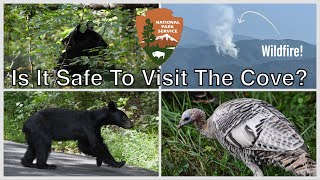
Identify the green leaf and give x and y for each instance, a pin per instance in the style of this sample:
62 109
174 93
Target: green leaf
83 28
300 100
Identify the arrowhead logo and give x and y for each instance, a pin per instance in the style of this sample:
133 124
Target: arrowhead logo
159 33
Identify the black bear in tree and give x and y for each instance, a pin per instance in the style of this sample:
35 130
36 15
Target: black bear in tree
80 42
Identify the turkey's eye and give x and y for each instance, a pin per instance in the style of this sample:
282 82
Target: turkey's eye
186 118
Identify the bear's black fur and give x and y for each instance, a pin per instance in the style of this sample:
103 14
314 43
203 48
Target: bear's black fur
62 124
80 44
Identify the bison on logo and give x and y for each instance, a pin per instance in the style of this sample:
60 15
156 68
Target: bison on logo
159 33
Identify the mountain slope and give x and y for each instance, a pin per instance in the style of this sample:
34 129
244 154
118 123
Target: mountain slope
250 56
196 38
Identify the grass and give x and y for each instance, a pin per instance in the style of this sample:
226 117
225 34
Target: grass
187 153
138 146
126 145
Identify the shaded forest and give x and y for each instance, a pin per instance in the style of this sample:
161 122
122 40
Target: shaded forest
33 35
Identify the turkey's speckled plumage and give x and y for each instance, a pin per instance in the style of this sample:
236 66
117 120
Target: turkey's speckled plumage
255 132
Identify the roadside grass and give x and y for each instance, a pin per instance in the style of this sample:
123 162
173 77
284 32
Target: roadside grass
138 146
187 153
123 144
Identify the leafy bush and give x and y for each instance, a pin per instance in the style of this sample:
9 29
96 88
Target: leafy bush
138 147
128 145
33 34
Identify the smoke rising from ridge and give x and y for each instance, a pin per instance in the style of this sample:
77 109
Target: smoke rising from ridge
221 30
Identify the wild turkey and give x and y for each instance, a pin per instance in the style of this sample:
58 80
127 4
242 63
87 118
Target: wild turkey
196 97
201 97
256 133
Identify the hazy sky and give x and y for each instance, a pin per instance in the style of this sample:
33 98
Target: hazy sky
294 21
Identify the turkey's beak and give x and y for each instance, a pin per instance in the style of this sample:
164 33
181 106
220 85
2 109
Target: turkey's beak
181 124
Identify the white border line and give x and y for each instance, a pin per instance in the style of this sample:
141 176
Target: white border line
317 88
1 88
92 90
165 1
244 90
159 90
160 133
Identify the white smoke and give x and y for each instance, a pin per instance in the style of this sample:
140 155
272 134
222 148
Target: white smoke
221 30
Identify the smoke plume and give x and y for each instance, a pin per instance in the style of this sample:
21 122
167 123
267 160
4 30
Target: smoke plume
221 30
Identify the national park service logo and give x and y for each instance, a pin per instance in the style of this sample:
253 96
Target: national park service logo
159 33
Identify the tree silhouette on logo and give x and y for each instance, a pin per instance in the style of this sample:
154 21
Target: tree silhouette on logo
148 35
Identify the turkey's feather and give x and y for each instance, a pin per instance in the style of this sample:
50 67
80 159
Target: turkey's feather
257 133
256 125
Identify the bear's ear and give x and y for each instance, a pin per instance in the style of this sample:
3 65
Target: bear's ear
112 105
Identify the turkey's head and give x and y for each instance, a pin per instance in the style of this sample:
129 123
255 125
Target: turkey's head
190 116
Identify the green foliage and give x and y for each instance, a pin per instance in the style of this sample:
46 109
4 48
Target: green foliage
188 153
33 34
128 145
148 35
138 146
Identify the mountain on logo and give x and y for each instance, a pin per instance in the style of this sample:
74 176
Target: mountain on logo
167 37
163 41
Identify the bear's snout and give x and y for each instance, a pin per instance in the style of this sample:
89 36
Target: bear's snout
128 124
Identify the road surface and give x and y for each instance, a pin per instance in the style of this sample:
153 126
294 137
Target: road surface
67 165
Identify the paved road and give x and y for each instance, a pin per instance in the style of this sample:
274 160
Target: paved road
67 165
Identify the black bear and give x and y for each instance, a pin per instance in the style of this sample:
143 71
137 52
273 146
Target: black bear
62 124
80 42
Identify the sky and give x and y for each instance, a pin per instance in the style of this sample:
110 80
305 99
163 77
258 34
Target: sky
293 21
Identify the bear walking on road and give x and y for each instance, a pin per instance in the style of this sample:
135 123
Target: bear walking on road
62 124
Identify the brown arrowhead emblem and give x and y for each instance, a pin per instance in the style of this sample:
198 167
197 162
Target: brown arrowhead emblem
159 33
